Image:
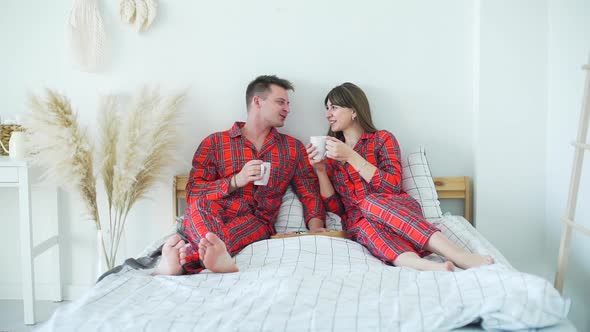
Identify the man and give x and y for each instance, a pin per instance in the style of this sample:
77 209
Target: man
226 210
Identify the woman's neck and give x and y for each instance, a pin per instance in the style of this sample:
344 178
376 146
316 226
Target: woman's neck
352 135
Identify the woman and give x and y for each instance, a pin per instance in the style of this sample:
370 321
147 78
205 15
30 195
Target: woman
360 180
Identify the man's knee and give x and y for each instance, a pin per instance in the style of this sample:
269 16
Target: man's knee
205 215
201 203
202 208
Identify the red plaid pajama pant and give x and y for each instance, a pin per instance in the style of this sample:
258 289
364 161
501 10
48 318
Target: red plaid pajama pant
235 231
391 225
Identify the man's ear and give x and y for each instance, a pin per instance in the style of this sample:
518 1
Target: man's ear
256 101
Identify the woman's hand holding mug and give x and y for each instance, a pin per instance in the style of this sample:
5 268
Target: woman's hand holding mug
319 165
338 150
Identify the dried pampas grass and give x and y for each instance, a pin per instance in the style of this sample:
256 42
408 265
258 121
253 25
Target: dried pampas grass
134 150
146 147
62 147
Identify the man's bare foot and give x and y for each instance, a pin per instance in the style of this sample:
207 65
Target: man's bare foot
468 260
173 257
214 255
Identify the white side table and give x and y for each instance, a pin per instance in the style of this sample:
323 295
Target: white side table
15 173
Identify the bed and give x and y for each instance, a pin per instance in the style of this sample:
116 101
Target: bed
294 282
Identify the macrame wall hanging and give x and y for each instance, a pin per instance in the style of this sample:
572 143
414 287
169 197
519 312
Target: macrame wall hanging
86 34
138 13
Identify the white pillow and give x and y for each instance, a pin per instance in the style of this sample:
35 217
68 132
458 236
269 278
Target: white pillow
417 182
290 218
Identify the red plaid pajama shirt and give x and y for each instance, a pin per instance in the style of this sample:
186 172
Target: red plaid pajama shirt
378 214
247 214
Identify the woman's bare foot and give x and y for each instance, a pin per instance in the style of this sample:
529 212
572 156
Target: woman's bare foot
214 255
427 265
410 259
448 266
440 244
467 260
173 257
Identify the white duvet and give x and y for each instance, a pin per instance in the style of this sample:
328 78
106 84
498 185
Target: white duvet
317 283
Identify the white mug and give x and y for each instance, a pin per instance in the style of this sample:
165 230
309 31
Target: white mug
265 172
16 145
320 145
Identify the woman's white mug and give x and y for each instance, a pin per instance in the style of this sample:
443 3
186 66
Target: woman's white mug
320 145
16 145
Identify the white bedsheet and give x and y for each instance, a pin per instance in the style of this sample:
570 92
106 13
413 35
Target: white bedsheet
316 283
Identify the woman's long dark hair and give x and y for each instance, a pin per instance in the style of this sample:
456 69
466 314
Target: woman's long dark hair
351 96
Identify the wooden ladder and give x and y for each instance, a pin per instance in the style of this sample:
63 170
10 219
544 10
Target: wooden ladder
569 224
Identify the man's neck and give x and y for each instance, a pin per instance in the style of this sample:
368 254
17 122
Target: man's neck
255 133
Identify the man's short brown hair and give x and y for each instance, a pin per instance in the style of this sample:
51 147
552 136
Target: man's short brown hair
261 85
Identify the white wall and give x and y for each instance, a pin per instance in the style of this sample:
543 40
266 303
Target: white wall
510 140
530 86
569 48
492 88
413 60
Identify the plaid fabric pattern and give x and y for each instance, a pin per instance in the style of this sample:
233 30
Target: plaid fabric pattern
248 214
378 214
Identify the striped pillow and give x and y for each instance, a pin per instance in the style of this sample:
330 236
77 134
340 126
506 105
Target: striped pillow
417 182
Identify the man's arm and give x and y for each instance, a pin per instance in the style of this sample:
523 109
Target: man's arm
203 181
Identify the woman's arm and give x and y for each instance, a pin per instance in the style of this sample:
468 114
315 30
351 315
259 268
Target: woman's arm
326 187
331 200
306 187
365 169
385 174
387 177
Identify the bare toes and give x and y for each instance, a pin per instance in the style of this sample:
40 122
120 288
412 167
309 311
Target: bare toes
449 266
